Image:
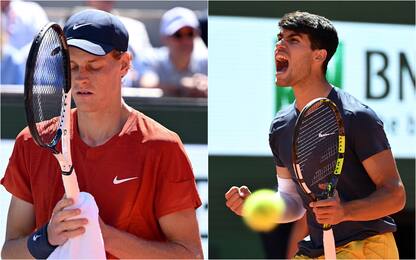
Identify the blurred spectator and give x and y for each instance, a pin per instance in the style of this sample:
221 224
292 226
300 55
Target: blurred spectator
11 65
139 42
179 68
20 23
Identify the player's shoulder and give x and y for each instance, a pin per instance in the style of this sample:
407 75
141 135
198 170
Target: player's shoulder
283 118
151 131
24 142
45 128
354 108
24 135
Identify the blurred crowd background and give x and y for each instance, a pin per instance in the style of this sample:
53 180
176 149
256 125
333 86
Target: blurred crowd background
168 41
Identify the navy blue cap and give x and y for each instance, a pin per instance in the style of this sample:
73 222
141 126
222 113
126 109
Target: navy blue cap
96 32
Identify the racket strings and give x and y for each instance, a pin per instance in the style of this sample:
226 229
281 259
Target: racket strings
309 136
322 173
329 154
326 130
319 118
48 85
310 116
317 146
312 141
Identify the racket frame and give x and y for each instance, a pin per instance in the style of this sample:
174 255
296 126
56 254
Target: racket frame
328 237
341 148
63 133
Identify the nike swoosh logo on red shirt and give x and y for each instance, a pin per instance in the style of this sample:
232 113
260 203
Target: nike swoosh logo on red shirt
118 181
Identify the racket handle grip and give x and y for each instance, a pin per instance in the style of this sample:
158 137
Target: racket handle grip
71 186
329 245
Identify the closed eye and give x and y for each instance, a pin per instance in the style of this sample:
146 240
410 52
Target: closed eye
73 67
95 67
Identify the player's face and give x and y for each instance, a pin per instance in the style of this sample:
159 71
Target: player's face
293 57
95 81
182 42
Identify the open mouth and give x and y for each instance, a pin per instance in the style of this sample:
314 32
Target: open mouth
282 63
84 92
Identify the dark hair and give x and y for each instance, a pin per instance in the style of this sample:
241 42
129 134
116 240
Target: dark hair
320 31
116 54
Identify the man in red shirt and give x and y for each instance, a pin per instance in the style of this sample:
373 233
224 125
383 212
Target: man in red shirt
135 168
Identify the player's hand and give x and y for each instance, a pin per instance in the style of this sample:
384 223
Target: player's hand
60 227
235 198
329 211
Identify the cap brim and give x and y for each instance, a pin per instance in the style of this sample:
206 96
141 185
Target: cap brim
93 48
176 26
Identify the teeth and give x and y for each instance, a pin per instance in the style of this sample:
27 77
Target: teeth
281 58
282 63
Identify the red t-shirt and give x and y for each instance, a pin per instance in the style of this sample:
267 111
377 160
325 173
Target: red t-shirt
144 149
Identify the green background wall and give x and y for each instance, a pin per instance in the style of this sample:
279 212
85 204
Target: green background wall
185 116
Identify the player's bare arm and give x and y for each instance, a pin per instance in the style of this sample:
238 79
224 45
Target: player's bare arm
20 224
236 196
389 198
180 229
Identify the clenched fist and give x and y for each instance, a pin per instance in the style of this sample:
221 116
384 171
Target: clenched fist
235 198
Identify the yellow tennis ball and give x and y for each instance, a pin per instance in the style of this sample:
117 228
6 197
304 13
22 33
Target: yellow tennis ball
262 209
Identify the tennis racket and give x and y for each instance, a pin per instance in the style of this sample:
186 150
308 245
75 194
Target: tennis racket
48 99
318 155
